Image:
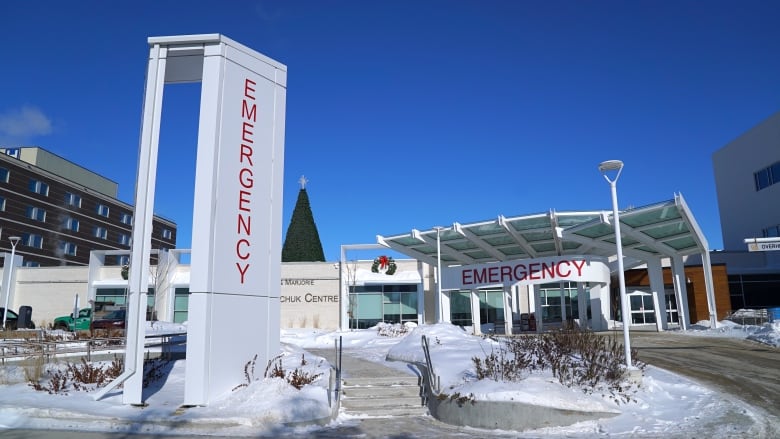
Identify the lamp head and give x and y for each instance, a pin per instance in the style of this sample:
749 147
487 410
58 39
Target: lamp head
611 165
608 167
14 239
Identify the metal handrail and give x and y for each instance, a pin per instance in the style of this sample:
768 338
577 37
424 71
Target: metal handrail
53 348
435 384
339 351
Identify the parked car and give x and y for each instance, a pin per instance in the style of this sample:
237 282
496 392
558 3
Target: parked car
80 323
11 320
113 320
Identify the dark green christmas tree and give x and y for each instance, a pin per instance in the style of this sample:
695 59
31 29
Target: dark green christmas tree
302 242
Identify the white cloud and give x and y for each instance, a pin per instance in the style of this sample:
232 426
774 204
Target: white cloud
18 125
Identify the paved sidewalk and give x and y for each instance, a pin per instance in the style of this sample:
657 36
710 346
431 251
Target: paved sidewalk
355 367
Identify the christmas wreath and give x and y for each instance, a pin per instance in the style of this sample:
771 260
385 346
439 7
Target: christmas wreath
384 263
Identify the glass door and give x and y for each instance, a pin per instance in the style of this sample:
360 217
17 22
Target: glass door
672 314
642 308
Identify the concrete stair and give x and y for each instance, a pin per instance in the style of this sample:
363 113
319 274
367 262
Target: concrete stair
382 396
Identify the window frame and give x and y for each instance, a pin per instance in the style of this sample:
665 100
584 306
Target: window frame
72 199
32 240
39 187
100 232
36 213
70 222
69 248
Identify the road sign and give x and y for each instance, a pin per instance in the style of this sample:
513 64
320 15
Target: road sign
763 245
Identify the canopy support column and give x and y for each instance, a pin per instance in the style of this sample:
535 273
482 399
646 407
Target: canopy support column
709 285
582 306
475 317
508 316
656 275
681 290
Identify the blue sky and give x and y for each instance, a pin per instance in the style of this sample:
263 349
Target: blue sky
412 114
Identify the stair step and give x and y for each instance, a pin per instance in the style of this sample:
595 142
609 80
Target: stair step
408 380
376 403
380 391
382 396
383 412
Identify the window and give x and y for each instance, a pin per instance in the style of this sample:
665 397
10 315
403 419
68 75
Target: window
166 234
2 204
32 264
68 248
392 303
72 199
13 152
38 187
123 260
36 213
126 218
772 232
71 224
32 240
102 210
767 177
181 304
4 174
101 232
124 239
111 296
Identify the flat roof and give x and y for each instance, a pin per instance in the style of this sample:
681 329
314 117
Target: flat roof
663 229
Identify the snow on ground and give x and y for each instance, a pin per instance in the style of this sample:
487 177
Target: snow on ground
665 404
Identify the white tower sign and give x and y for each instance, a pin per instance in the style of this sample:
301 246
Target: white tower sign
236 230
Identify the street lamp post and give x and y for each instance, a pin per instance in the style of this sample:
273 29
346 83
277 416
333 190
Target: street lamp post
438 274
7 284
616 167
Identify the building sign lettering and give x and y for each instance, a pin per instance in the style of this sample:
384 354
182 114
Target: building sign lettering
310 298
298 282
551 271
245 179
527 271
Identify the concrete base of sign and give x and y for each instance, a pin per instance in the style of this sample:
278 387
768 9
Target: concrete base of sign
224 334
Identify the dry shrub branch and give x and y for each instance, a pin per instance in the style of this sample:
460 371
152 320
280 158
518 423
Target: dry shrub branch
577 358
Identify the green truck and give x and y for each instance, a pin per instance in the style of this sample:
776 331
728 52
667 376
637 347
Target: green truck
80 323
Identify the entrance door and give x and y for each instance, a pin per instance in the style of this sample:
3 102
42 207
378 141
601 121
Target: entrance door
672 314
642 308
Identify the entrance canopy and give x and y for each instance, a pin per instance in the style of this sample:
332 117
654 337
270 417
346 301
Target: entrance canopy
664 229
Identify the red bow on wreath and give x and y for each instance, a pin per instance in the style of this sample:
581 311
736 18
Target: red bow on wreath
383 262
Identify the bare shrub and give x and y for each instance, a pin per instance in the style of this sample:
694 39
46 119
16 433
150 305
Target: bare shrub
391 329
249 373
275 369
33 367
82 377
577 358
299 378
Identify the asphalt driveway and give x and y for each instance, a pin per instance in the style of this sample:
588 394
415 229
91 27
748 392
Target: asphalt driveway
748 370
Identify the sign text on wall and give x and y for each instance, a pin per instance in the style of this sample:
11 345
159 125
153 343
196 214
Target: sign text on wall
245 178
527 271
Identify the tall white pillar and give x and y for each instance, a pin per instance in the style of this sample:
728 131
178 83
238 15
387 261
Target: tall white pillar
476 319
681 290
655 273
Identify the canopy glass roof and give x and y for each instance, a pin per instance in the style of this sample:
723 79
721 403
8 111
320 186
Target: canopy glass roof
663 229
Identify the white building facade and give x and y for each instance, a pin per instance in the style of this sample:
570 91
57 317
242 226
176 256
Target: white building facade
747 179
